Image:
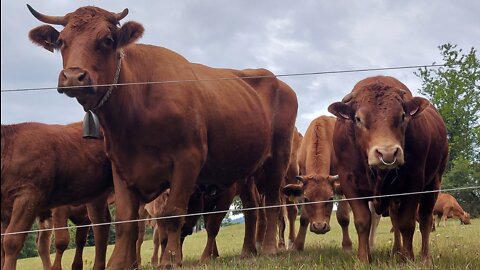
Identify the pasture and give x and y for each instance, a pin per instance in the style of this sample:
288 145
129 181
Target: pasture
454 247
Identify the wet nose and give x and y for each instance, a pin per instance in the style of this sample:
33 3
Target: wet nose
320 227
73 77
388 155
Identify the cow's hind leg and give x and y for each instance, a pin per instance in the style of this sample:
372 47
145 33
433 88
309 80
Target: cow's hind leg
43 241
292 212
62 236
80 241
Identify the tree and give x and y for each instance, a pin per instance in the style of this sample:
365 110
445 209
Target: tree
454 89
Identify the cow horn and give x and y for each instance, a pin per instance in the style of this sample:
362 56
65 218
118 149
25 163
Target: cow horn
121 15
401 92
349 97
60 20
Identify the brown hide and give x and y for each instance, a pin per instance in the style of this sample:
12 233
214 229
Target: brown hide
45 166
316 159
447 206
388 142
172 134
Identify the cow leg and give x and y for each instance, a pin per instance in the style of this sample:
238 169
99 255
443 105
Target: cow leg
343 218
362 220
62 236
406 224
446 212
302 231
425 212
374 226
80 241
23 216
162 237
182 185
98 213
4 228
43 242
281 227
292 212
142 214
393 209
261 225
156 245
123 256
213 222
250 199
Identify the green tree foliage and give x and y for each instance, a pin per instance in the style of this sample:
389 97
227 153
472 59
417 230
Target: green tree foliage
455 91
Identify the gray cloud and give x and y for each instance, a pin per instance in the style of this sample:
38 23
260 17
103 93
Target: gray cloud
283 36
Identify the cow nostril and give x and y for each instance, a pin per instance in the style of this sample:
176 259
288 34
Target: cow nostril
396 152
324 226
379 154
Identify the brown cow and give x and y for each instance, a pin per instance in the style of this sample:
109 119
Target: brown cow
57 218
316 159
46 166
447 207
388 142
170 135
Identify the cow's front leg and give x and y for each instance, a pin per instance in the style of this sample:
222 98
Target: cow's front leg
425 213
185 173
406 224
362 220
123 256
23 216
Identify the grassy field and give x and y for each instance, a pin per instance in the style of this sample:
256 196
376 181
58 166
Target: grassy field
454 247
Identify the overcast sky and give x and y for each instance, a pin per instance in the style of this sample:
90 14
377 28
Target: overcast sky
283 36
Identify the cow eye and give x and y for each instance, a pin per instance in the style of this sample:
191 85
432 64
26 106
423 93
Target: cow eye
107 42
357 119
403 117
305 199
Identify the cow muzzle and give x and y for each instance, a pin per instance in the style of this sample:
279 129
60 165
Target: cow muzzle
386 157
319 227
74 81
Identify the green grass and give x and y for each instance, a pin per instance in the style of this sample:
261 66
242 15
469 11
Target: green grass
454 247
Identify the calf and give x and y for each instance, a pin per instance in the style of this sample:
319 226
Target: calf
317 162
46 166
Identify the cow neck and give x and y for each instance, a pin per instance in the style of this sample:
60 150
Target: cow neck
91 124
107 94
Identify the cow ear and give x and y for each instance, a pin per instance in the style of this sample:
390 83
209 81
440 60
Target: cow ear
293 191
341 110
301 179
45 36
415 106
335 182
129 33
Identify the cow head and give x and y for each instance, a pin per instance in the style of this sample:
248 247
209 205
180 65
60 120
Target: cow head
379 114
465 218
315 188
90 44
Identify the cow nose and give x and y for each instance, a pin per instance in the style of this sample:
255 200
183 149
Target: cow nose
73 77
320 227
388 155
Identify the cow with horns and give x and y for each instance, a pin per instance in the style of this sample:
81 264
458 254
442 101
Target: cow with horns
388 142
198 130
